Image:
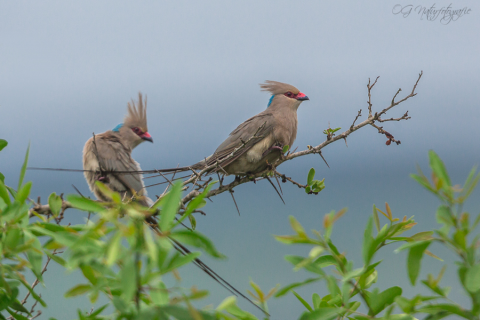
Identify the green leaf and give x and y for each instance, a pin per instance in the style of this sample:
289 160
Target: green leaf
23 193
179 261
16 305
12 239
185 314
318 185
78 290
375 218
127 276
84 204
297 227
438 167
34 254
196 239
444 216
170 206
332 286
114 249
89 273
311 175
3 144
291 286
16 316
325 313
305 303
472 278
196 203
193 222
56 258
120 304
230 305
24 168
316 300
451 308
160 295
4 193
379 301
285 148
367 242
414 259
470 184
55 203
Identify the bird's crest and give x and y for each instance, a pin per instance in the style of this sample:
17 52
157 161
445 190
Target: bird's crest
137 114
275 87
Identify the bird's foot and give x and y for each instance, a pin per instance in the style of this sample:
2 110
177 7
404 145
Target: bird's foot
272 148
102 178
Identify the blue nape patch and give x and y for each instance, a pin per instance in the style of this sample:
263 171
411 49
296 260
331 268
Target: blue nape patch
117 127
270 101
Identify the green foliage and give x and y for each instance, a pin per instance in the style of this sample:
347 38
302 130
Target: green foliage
20 249
330 132
124 259
350 288
120 255
314 186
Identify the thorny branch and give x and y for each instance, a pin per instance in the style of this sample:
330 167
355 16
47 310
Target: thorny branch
196 188
372 118
34 284
196 185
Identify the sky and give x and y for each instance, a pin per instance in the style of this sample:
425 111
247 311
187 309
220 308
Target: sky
69 68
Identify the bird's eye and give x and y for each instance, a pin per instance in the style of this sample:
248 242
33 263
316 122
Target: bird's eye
288 94
136 130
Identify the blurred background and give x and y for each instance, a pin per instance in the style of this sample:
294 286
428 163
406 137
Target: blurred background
69 68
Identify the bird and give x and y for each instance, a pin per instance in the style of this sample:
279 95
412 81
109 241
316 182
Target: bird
107 157
258 142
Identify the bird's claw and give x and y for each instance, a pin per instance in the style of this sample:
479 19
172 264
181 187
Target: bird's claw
102 178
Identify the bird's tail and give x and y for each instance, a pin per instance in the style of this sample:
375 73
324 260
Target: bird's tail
197 166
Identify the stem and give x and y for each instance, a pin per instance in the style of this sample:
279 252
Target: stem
138 225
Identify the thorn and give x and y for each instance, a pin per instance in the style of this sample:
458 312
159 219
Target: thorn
278 182
345 138
187 227
275 189
77 190
220 180
321 155
236 206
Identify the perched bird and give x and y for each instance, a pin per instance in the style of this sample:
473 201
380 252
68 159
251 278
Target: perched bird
259 141
111 151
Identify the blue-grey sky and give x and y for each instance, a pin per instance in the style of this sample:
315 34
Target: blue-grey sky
69 68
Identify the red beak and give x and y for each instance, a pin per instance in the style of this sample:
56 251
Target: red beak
302 96
146 136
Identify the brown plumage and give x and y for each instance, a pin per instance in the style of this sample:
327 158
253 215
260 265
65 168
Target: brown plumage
264 135
111 151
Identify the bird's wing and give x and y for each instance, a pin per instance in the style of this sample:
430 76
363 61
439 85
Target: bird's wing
249 132
116 157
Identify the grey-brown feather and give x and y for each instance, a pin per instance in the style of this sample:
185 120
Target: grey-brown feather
276 126
112 152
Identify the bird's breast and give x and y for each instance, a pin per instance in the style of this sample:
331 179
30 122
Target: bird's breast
257 151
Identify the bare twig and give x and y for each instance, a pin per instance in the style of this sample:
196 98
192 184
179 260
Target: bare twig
369 87
358 115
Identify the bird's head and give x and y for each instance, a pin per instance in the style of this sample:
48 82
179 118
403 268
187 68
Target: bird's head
283 94
134 127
